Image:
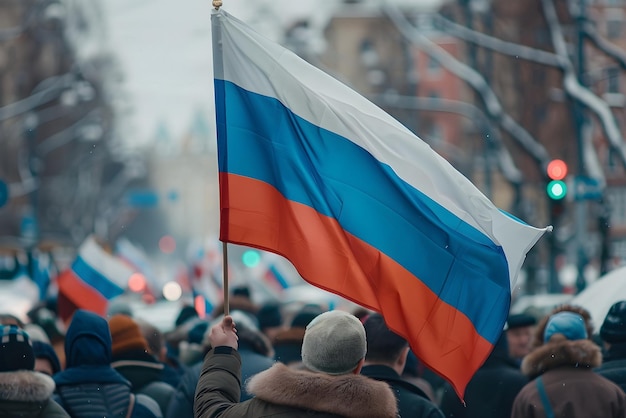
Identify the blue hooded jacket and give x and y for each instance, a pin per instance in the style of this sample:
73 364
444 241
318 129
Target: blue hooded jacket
89 386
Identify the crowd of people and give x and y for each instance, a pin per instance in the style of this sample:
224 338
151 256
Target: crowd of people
261 361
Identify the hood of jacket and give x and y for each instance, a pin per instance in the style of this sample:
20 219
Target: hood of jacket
88 340
346 395
560 352
25 386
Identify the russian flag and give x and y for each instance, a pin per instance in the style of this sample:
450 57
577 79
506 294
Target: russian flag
205 291
94 278
363 208
275 278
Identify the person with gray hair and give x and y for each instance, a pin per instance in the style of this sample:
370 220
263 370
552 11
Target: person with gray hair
333 353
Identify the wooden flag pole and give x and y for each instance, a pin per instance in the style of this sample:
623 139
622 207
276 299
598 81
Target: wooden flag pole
225 277
216 5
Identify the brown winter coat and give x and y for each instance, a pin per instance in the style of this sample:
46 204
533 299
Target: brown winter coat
286 392
573 388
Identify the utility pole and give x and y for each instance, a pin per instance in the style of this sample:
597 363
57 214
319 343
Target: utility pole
580 205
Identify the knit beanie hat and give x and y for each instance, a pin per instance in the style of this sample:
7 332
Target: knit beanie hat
16 351
44 350
126 335
613 329
334 343
570 324
36 333
520 320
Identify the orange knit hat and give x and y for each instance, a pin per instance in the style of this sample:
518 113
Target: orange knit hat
126 334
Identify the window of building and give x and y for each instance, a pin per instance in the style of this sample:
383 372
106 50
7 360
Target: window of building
368 54
435 134
540 113
612 160
614 22
617 200
434 67
612 80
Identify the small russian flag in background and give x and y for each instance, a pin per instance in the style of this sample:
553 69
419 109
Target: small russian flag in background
95 277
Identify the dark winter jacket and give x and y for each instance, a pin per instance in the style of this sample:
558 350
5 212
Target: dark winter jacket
491 391
28 394
89 387
613 365
282 391
574 390
181 404
412 401
145 374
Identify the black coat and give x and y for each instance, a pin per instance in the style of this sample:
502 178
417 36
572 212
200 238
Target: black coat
491 391
614 365
412 401
146 376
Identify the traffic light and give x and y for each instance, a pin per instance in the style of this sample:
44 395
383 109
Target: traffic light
556 171
556 189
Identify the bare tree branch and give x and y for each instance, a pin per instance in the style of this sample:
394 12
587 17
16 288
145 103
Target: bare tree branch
498 45
604 45
578 92
505 162
475 80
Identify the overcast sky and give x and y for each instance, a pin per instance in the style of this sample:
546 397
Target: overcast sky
164 48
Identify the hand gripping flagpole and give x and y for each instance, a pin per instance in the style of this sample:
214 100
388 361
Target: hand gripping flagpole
217 4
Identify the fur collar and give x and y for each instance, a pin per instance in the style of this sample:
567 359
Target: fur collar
25 386
353 396
560 352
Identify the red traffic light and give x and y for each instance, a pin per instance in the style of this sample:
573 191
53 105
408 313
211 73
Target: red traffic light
557 169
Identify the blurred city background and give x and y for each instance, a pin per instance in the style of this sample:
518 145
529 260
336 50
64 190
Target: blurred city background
107 129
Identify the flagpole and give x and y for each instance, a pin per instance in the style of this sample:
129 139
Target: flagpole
225 277
216 5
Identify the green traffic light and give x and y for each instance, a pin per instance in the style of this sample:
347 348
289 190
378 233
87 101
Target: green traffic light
251 258
556 189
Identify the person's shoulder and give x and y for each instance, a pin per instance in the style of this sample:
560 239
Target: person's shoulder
398 383
617 365
146 407
54 410
157 387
